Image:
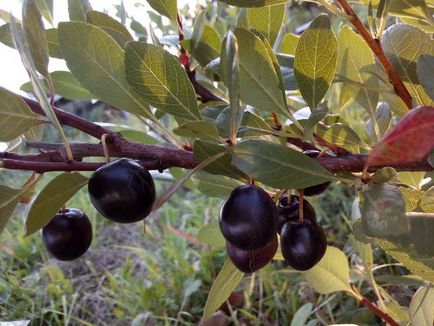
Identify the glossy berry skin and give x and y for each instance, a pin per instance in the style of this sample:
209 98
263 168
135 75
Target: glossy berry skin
123 191
68 235
249 261
317 189
248 218
303 244
290 211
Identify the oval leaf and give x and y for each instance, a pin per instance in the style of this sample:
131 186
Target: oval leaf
315 60
277 165
422 307
166 8
15 116
225 283
50 199
158 77
409 141
211 235
267 20
98 68
331 274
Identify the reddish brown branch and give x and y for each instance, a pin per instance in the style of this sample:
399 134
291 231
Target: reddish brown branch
375 46
71 120
378 312
155 157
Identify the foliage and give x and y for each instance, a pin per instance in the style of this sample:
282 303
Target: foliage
235 93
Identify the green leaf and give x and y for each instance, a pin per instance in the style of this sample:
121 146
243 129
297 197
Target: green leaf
427 203
302 314
9 198
166 8
422 307
100 69
225 283
261 86
50 199
412 198
158 77
267 20
77 9
209 46
315 60
211 235
110 25
404 45
222 166
253 3
344 136
277 165
289 44
383 211
46 9
6 36
229 119
15 116
331 274
421 266
65 85
34 33
425 68
198 129
412 179
53 43
216 185
356 62
253 125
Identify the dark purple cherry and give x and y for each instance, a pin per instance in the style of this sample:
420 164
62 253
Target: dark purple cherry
303 244
249 261
290 211
317 189
123 191
68 235
248 218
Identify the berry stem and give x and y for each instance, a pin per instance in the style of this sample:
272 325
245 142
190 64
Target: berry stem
300 205
105 148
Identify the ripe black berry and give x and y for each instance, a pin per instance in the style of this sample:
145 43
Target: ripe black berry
303 244
317 189
248 218
289 211
122 191
68 235
249 261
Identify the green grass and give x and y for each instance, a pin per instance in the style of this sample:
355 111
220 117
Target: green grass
149 274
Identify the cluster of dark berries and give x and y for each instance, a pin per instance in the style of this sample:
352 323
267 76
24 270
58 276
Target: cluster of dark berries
122 191
250 222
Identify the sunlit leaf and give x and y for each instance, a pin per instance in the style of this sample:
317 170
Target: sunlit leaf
157 76
315 60
422 307
77 9
166 8
50 199
46 9
253 3
225 283
216 185
110 25
199 129
331 274
15 116
100 69
267 20
211 235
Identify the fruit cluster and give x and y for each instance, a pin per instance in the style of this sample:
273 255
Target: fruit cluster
250 223
122 191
